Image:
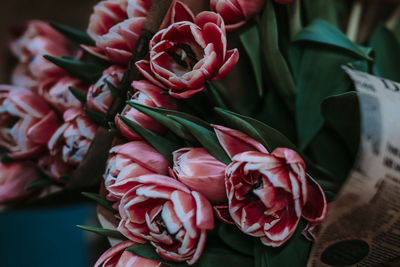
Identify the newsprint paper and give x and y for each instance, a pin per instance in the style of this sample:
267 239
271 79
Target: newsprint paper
363 224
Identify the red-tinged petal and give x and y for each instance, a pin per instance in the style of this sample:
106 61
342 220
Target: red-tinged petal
42 131
143 67
149 157
230 11
29 102
125 130
128 259
107 257
232 27
171 220
210 17
153 191
181 12
162 180
200 247
204 212
56 137
232 57
217 37
251 7
222 213
155 93
119 188
185 208
289 155
96 51
235 142
315 208
118 56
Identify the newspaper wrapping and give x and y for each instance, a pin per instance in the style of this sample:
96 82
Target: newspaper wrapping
363 224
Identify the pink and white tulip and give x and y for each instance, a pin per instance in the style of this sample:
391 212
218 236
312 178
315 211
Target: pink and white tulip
14 177
40 39
22 77
56 92
236 12
72 140
165 212
189 52
26 122
115 26
99 97
149 95
117 256
268 193
131 160
200 171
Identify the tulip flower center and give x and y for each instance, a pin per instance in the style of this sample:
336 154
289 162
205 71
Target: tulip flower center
183 55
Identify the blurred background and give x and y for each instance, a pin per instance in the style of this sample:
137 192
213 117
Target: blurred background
48 236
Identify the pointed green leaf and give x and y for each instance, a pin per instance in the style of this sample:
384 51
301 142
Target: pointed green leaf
81 96
323 33
102 201
251 42
207 138
97 117
160 115
387 54
115 91
88 72
74 35
103 232
39 184
321 9
268 136
161 144
214 95
275 63
234 238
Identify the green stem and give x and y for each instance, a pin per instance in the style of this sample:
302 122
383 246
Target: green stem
354 20
294 14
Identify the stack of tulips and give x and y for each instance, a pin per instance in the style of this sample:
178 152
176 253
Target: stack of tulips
46 130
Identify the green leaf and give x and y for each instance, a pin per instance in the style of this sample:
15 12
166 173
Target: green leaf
321 9
294 252
39 184
74 35
160 115
251 42
161 144
215 95
207 138
275 63
115 91
100 200
266 135
97 117
88 72
235 239
320 76
222 257
103 232
323 33
387 54
342 114
81 96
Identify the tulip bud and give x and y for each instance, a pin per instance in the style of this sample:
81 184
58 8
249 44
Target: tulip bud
200 171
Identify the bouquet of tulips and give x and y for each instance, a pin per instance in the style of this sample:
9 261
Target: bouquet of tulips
210 133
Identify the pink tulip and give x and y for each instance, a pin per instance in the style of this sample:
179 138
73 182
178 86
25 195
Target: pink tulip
99 97
165 212
26 122
131 160
71 141
54 167
22 77
40 39
189 52
14 177
236 12
56 92
149 95
115 26
268 193
200 171
117 256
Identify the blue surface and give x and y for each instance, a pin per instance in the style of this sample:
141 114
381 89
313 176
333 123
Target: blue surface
44 237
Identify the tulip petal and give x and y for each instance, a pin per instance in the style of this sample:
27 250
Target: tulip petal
232 57
204 214
315 208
